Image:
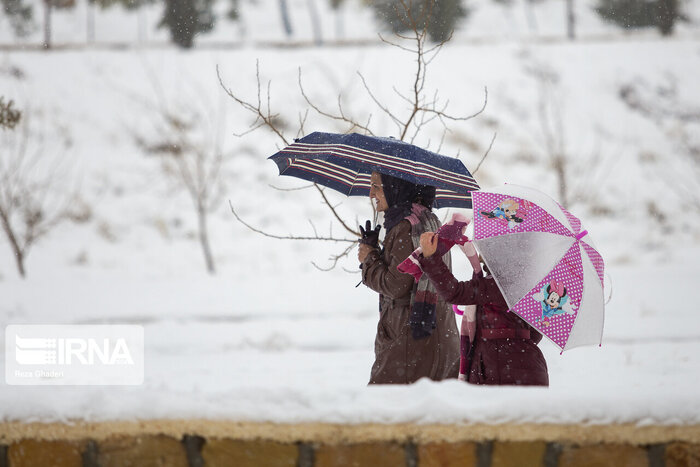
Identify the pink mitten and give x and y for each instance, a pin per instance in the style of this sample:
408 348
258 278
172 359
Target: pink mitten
449 235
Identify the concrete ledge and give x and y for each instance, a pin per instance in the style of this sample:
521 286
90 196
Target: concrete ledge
328 433
199 443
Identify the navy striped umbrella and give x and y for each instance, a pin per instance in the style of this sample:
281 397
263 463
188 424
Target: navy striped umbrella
345 162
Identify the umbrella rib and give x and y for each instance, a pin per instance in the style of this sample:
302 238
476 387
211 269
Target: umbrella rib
357 175
554 263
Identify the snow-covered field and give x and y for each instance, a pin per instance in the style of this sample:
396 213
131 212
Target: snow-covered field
271 337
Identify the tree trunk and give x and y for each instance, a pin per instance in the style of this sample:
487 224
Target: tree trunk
560 170
90 22
315 22
530 16
14 244
19 259
339 24
286 23
667 13
570 20
141 15
204 239
242 29
47 24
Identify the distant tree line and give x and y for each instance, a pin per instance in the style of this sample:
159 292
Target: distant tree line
185 19
636 14
438 19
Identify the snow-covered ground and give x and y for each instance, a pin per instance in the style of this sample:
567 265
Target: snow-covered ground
270 337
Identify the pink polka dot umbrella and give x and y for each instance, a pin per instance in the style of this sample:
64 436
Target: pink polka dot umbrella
544 263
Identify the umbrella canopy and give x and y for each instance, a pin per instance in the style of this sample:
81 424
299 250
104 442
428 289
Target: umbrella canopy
544 263
344 162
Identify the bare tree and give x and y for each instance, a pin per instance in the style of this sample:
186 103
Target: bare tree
574 173
34 199
189 145
420 108
679 119
9 116
551 122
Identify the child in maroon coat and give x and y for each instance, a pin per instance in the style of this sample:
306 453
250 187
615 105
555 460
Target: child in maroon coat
505 349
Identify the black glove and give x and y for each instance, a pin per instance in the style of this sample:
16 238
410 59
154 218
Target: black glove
370 237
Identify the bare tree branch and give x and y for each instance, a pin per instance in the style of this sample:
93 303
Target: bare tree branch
395 119
442 139
342 117
434 50
394 44
419 113
267 119
485 155
469 117
289 189
334 259
289 237
302 121
250 130
335 213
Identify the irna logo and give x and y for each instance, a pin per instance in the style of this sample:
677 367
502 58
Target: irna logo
74 354
75 350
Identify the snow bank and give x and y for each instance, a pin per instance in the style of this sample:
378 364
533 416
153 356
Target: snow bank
271 338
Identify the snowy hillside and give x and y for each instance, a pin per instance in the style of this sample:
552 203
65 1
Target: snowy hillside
270 336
